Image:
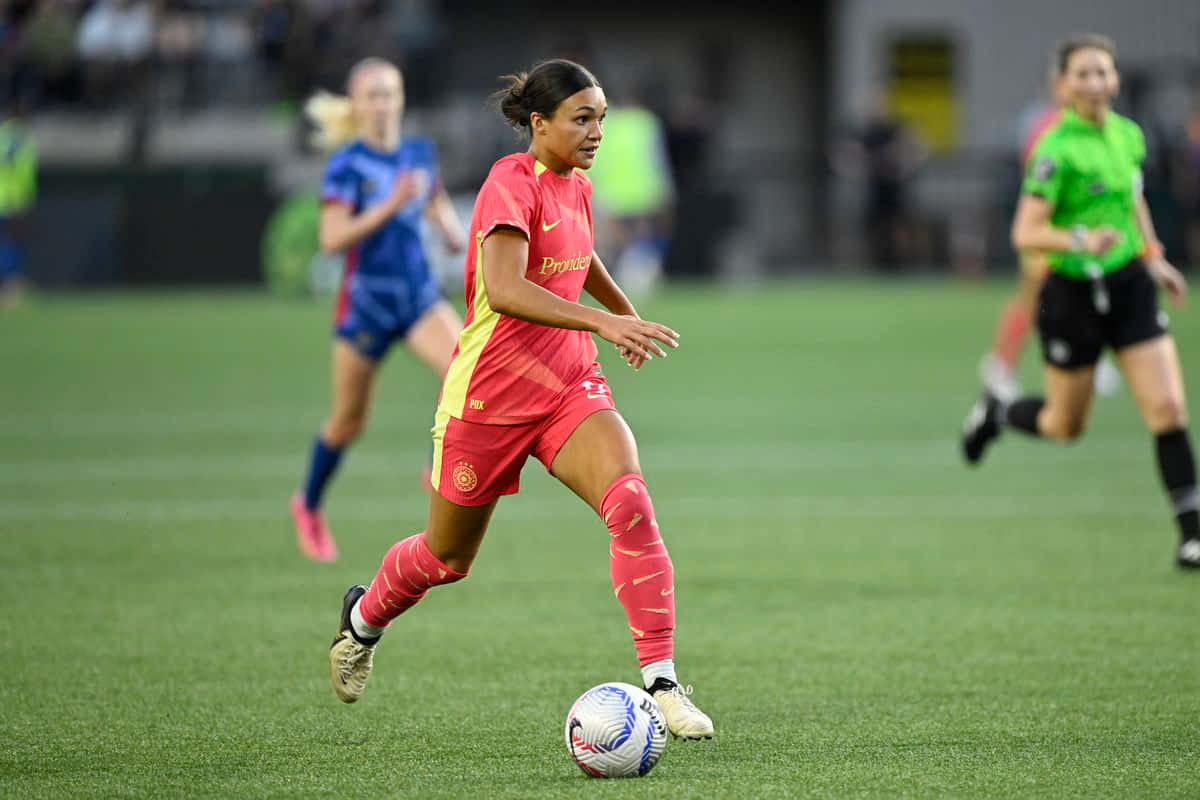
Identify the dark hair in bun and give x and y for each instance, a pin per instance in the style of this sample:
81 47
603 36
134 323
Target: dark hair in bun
540 90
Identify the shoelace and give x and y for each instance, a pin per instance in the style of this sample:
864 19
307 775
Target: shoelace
682 692
350 658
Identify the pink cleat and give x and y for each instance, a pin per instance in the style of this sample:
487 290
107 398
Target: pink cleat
313 537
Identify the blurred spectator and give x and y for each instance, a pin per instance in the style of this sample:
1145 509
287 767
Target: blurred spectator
116 39
47 54
117 30
1188 186
634 193
18 187
887 154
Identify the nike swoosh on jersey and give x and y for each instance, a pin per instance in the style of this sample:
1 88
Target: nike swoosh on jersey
551 226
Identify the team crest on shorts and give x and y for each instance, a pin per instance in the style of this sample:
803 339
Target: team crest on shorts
464 477
1058 350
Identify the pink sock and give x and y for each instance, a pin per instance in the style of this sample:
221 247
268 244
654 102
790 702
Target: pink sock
409 570
642 575
1014 325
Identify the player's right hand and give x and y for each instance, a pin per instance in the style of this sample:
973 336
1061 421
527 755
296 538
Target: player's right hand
1100 240
408 187
637 339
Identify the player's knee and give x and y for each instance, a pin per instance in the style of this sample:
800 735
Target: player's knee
1063 427
1168 413
629 514
345 428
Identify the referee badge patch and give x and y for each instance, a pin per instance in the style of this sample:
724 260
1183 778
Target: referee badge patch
1043 170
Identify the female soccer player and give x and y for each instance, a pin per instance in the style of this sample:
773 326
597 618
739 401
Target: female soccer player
998 367
524 381
1083 204
377 187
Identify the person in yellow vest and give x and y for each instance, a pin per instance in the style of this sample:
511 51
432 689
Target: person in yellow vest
18 188
634 192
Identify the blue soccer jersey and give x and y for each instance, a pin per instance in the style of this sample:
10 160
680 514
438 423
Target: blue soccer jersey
387 283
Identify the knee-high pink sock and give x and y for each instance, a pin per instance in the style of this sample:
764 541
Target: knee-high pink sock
642 574
408 571
1014 324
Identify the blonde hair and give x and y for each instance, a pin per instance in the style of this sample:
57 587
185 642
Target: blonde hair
333 114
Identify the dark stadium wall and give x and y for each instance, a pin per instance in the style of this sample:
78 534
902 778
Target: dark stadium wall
100 227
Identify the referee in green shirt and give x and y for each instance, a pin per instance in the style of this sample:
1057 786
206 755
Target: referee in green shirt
1082 205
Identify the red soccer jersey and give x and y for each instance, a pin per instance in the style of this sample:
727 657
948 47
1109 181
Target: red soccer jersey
506 370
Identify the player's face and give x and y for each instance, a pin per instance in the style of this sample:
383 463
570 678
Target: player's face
378 98
1090 81
573 133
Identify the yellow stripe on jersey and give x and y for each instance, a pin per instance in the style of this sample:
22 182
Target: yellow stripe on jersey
471 342
538 168
440 421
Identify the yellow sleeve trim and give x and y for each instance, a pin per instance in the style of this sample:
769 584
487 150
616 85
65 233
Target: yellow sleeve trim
471 342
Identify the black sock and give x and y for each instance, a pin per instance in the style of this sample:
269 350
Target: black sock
1178 471
1023 414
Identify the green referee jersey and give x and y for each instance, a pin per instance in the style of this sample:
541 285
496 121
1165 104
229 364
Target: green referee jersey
1090 175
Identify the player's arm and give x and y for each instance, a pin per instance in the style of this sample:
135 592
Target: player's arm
1165 275
440 212
342 229
509 292
601 286
1032 230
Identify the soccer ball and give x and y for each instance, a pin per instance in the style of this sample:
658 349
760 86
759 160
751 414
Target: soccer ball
615 730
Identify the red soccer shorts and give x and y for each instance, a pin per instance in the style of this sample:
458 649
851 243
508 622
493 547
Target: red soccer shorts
474 464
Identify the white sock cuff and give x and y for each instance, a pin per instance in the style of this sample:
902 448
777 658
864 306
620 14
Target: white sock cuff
360 625
659 669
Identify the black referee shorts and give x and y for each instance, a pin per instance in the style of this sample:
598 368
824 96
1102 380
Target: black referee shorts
1076 319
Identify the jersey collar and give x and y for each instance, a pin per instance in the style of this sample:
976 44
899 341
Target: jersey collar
1072 119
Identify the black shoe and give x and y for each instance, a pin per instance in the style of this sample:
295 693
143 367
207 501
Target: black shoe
350 657
352 594
1188 555
981 427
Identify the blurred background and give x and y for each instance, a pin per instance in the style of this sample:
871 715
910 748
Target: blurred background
853 136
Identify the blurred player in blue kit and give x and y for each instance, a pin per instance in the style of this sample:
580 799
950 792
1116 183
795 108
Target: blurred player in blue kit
377 189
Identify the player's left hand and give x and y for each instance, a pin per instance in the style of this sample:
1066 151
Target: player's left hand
1169 279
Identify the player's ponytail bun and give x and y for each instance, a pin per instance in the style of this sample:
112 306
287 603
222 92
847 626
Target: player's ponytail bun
510 100
540 90
333 115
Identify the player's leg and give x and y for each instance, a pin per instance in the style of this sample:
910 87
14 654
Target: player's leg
599 462
354 382
1063 413
440 554
474 466
999 366
1156 381
1072 337
433 336
12 270
431 339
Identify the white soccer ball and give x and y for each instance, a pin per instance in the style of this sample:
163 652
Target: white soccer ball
615 730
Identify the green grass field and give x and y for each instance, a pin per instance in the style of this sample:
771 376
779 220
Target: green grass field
860 614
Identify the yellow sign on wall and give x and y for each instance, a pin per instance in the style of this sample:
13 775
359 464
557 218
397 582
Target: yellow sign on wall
920 89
